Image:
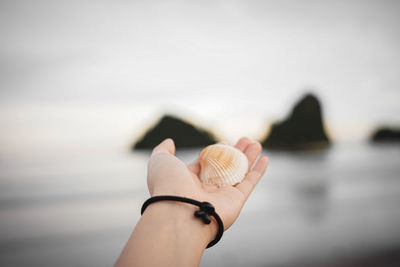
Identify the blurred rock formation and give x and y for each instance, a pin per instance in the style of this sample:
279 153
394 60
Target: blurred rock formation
386 134
185 135
302 130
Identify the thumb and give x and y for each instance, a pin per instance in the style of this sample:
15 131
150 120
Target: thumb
166 146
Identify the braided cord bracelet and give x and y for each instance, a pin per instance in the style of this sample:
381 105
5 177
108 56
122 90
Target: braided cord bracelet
206 210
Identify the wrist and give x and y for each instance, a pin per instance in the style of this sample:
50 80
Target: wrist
179 218
168 234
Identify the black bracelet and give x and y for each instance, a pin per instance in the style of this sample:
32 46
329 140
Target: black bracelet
206 210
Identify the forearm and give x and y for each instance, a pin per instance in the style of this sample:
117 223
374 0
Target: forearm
167 234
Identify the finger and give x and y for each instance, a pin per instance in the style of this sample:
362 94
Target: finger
243 143
252 152
194 167
166 146
253 177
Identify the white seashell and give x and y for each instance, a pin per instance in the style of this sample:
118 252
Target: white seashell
222 165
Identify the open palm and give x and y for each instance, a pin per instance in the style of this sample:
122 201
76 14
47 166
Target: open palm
168 175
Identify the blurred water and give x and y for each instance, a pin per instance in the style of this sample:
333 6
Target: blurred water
310 208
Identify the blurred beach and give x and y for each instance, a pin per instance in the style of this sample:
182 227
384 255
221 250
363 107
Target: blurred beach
310 209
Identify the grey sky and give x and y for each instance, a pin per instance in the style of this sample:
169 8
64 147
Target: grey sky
233 58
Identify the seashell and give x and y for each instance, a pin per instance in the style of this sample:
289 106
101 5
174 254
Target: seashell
222 165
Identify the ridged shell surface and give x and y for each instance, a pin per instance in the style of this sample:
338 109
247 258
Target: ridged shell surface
222 165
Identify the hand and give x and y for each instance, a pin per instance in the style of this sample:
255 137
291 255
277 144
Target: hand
166 235
167 175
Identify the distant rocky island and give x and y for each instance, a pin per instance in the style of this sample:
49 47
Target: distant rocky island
184 134
386 134
302 130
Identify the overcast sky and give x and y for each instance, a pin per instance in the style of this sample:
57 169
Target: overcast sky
222 62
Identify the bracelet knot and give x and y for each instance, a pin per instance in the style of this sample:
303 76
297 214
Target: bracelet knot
205 211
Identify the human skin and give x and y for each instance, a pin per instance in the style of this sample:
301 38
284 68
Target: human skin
168 234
